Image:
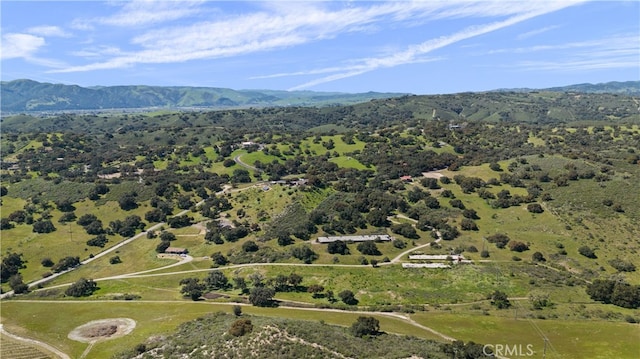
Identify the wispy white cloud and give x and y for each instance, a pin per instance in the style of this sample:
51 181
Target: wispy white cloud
619 51
535 32
414 52
48 31
98 51
26 46
281 25
15 45
142 12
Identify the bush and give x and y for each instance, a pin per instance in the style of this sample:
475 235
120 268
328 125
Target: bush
160 248
398 243
587 252
500 300
348 297
365 326
304 253
47 262
261 296
338 247
43 226
538 257
241 327
499 239
66 263
81 288
622 265
405 230
99 241
368 248
535 208
115 260
219 259
517 246
468 225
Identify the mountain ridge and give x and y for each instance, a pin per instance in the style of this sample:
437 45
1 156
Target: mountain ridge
27 95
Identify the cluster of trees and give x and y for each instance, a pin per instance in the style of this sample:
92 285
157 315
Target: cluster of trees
11 265
615 292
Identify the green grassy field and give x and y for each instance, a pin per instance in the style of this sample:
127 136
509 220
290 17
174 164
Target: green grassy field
567 338
52 326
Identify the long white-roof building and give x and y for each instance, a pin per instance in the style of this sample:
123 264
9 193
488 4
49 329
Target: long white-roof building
365 238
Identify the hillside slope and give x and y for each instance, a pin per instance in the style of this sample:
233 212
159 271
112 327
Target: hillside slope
282 338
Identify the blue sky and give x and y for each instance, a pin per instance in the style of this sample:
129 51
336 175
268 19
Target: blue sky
421 47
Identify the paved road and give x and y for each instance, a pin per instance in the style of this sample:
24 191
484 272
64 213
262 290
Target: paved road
245 165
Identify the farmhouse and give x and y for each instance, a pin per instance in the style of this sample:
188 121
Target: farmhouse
365 238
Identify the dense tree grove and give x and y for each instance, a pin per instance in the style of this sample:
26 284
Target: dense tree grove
615 292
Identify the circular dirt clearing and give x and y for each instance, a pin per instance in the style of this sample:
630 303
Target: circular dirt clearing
102 330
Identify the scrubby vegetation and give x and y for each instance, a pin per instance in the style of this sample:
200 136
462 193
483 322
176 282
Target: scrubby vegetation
261 337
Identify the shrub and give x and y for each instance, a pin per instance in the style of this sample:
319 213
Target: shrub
304 253
261 296
81 288
368 248
43 226
250 246
160 248
622 265
398 243
241 327
468 225
499 239
535 208
538 257
517 246
115 260
99 241
365 326
338 247
47 262
500 300
587 252
219 259
348 297
66 263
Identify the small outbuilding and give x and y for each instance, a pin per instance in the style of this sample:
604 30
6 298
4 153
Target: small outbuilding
176 250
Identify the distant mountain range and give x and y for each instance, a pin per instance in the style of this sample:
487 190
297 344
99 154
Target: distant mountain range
630 88
28 96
